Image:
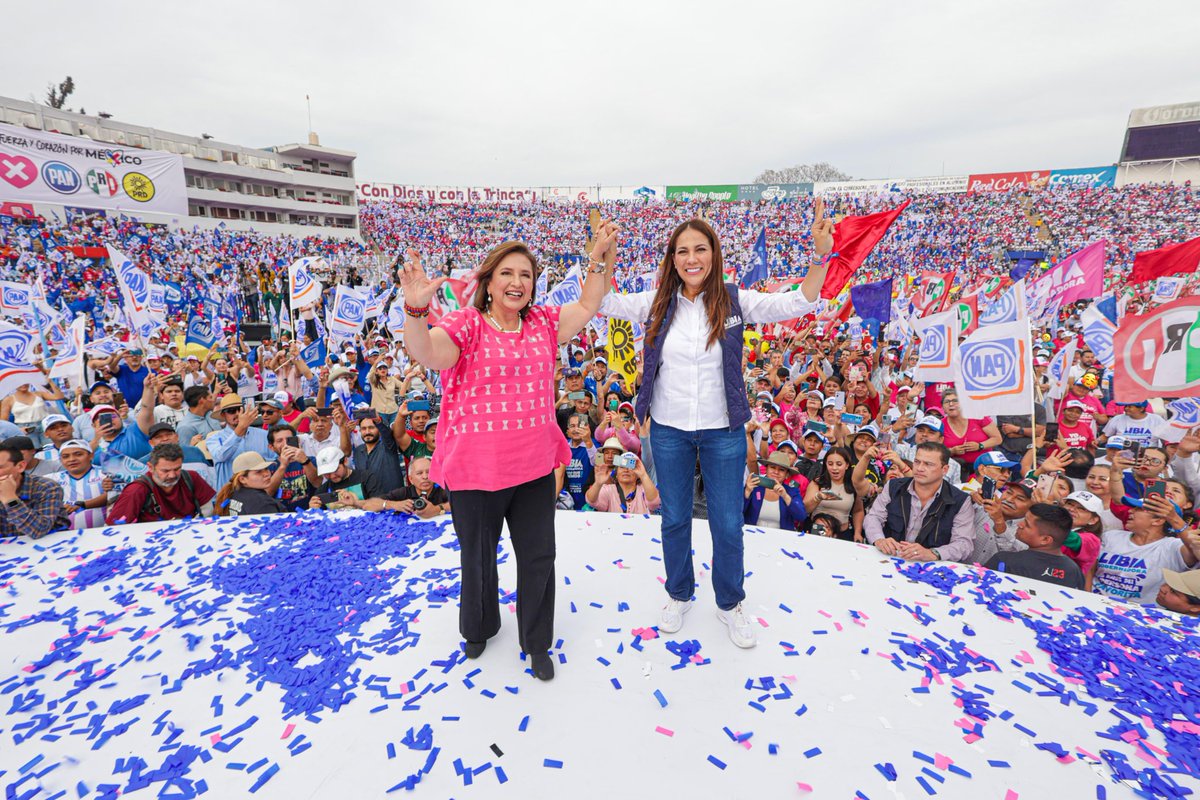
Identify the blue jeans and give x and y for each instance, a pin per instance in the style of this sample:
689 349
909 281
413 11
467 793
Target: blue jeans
722 455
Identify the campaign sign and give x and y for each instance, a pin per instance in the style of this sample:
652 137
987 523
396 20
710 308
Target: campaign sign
993 368
935 347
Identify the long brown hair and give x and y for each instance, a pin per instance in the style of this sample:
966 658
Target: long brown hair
716 299
221 501
491 262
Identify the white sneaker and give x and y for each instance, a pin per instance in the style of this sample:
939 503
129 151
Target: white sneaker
741 632
671 619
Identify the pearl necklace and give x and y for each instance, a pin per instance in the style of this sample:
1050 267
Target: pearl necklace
488 311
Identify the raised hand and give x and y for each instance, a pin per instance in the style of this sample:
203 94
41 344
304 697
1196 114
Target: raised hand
822 229
417 287
604 243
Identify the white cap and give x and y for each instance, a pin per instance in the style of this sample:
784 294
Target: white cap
328 459
1087 500
75 444
53 419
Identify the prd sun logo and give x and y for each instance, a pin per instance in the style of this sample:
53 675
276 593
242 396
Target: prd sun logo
620 342
138 187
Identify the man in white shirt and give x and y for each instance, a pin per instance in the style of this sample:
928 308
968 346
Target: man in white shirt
323 433
171 408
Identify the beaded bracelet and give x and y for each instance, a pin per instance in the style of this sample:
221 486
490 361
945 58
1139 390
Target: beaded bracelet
416 313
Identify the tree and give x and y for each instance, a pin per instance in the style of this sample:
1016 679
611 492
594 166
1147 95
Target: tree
803 173
56 96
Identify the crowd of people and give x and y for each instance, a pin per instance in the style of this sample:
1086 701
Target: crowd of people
842 440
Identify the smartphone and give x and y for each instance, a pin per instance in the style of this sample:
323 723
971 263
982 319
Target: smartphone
884 439
989 489
1045 483
366 413
766 483
118 399
572 396
107 418
814 425
613 404
852 419
839 399
1157 487
418 405
1135 450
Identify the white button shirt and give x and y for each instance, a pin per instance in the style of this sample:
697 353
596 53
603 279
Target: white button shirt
689 391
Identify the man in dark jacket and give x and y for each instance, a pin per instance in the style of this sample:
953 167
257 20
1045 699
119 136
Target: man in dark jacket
923 518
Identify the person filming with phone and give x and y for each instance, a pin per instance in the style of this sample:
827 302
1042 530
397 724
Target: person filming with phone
770 502
626 488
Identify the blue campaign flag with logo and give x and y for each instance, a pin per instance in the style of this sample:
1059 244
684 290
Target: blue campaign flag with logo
873 300
1107 303
173 291
757 270
314 355
1098 333
200 331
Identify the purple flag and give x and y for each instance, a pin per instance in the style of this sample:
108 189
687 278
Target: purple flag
873 300
1079 276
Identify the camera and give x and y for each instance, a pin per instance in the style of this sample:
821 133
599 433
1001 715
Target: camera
626 460
419 503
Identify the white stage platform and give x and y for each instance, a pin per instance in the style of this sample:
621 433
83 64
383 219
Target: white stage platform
319 657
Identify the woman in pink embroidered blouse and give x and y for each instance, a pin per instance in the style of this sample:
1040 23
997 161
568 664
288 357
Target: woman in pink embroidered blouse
498 442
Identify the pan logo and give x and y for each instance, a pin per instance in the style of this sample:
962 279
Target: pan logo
61 177
991 366
934 346
1002 309
1099 336
351 310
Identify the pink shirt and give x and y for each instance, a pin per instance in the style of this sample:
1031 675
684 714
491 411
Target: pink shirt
497 426
974 433
609 499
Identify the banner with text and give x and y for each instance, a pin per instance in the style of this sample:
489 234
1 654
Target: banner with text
36 166
722 191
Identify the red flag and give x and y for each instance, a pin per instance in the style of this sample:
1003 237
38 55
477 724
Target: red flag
1170 259
853 240
968 314
935 291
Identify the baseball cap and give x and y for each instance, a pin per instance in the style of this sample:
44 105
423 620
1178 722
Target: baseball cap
1117 442
777 421
157 428
432 421
600 360
75 444
272 403
931 422
137 351
98 385
1184 582
52 420
818 393
1087 500
817 434
870 430
787 443
250 461
1076 404
328 459
101 409
1139 403
571 372
994 458
283 398
1137 502
372 352
1041 362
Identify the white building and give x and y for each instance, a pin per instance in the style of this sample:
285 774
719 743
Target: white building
292 188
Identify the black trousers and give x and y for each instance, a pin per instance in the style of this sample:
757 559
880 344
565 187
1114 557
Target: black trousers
478 517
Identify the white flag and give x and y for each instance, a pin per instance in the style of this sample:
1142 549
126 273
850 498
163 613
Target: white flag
135 293
939 346
70 361
16 360
994 370
349 311
305 289
1060 369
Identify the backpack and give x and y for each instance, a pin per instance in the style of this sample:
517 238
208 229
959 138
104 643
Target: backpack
152 505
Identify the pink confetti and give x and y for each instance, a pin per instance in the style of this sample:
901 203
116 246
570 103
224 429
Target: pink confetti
664 731
288 730
1184 726
1011 795
941 761
763 622
216 737
1024 656
804 787
971 738
1130 736
824 613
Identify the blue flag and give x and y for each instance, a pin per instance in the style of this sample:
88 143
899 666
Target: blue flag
757 271
314 355
200 331
1107 304
873 300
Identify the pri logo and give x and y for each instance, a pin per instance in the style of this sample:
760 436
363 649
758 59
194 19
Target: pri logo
935 347
102 183
61 177
992 367
966 317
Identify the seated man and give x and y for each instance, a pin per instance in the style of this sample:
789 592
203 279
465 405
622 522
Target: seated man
423 497
335 476
29 506
167 491
193 457
1043 531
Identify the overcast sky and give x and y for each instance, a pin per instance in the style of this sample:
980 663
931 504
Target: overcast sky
645 92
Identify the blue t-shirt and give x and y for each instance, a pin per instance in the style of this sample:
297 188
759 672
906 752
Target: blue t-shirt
131 442
130 382
579 475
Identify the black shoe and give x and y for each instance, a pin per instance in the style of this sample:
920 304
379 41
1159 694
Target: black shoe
475 649
543 667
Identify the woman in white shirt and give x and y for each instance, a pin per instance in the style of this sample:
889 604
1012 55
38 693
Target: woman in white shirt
694 394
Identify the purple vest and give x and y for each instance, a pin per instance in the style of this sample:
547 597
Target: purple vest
736 402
